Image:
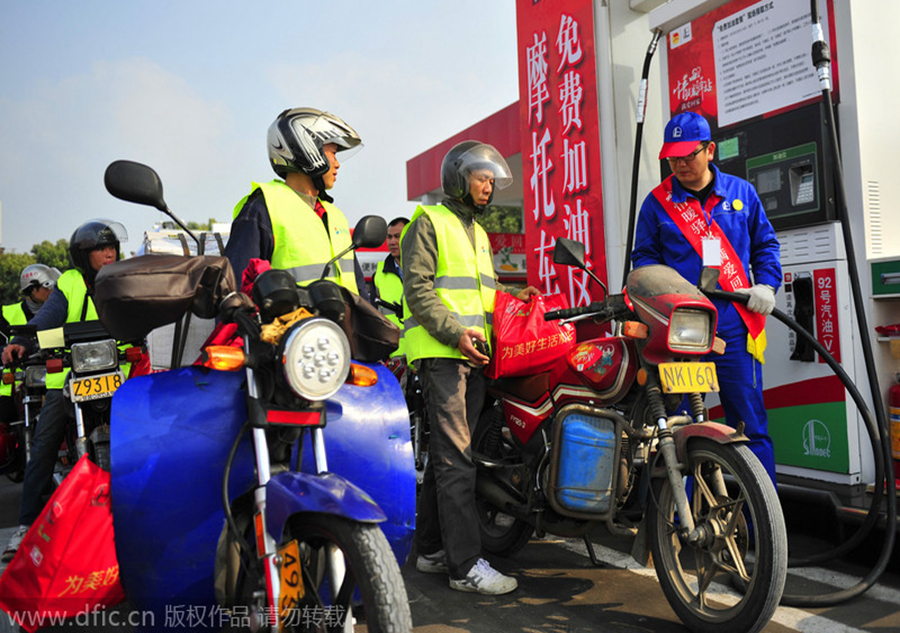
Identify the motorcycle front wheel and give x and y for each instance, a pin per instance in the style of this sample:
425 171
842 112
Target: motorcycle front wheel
743 545
371 591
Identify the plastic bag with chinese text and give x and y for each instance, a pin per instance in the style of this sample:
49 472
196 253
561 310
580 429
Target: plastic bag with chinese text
66 564
523 343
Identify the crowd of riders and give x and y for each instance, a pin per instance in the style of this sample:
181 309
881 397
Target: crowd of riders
438 284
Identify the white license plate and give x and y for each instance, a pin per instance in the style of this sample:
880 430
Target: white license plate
94 387
688 377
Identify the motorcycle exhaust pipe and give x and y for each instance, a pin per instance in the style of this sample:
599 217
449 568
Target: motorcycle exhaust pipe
488 490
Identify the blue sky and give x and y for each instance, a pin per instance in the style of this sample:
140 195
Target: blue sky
190 88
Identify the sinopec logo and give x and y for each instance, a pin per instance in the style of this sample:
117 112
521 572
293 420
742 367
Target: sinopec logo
816 439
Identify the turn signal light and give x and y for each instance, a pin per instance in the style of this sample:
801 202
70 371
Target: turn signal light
634 329
9 377
718 346
223 357
133 354
54 365
361 376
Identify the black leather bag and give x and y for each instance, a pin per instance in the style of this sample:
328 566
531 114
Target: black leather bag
372 336
136 295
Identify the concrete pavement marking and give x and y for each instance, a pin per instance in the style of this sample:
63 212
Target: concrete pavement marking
796 619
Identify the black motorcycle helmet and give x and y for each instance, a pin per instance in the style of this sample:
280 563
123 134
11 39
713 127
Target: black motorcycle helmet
297 137
466 157
90 236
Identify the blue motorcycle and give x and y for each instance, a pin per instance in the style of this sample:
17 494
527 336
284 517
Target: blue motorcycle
273 486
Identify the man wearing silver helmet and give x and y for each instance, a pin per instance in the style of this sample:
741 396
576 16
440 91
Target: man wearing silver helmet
36 281
291 221
449 286
93 245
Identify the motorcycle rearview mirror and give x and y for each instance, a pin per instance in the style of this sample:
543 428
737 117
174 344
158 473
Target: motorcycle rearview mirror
369 232
138 183
709 278
571 253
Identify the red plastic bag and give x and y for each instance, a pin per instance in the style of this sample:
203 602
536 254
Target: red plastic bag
66 564
523 342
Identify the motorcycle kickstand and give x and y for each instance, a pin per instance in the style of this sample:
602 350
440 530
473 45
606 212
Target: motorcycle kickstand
590 550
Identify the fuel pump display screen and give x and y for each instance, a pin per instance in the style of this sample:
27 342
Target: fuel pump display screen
728 148
768 181
786 182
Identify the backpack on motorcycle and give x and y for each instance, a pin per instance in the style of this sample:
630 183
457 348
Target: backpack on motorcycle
136 295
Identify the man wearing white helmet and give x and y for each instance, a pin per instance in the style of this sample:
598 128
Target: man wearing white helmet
36 282
291 221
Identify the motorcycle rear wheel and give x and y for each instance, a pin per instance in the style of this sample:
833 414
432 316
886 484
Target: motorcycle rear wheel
372 589
501 534
727 485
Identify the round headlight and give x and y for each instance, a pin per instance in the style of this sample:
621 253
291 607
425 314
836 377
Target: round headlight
316 358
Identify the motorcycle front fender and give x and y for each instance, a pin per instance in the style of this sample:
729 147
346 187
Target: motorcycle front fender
715 431
289 493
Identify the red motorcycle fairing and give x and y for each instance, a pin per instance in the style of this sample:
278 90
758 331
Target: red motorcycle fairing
715 431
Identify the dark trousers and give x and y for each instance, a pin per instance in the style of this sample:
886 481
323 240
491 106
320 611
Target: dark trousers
454 395
51 430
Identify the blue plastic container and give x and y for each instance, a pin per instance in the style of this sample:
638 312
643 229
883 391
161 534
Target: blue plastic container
586 458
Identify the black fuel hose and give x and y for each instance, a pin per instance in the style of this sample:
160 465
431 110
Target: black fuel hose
875 436
636 162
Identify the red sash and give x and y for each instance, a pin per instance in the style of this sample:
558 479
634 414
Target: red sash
690 219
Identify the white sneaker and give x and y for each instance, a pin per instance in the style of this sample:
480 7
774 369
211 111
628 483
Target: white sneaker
14 541
484 579
433 563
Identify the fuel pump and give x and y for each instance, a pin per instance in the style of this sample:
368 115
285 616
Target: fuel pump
782 136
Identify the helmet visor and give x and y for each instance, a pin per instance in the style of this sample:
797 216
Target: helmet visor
96 233
485 161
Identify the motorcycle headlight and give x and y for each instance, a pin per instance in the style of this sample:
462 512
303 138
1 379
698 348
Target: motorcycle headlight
35 376
690 331
95 356
316 358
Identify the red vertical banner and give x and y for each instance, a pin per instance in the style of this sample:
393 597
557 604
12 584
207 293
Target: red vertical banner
560 121
825 298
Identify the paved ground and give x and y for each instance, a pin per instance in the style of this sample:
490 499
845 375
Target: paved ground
560 591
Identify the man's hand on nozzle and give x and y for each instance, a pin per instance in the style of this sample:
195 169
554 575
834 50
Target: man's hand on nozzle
762 298
527 293
12 353
466 345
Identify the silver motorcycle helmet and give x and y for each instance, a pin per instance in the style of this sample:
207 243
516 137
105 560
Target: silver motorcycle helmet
37 276
297 137
91 235
466 157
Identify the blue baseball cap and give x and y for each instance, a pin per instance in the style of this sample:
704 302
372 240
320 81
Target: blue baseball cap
683 133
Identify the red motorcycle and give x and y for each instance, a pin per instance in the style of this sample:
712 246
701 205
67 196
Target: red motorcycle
593 440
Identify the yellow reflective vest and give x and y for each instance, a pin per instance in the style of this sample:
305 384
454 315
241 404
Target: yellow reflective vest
390 289
464 281
14 314
302 244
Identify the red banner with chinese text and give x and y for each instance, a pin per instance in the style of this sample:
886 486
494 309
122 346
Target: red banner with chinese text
560 121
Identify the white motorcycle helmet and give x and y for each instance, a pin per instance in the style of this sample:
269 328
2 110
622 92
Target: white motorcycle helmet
297 137
37 276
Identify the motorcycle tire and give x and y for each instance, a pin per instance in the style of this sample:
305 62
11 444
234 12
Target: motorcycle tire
501 534
746 550
373 588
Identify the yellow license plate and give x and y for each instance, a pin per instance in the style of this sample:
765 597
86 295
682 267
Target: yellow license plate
688 377
95 386
291 583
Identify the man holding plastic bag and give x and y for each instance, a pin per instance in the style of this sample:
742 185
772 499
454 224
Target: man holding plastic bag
449 286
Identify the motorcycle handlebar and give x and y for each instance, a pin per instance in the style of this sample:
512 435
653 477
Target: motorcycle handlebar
598 307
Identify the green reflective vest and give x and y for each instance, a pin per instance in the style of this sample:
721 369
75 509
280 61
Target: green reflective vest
390 289
72 285
14 314
464 281
302 244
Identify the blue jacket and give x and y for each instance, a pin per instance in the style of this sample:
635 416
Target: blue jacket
659 241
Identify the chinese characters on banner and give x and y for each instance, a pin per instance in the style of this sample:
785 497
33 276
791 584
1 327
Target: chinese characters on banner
560 143
826 312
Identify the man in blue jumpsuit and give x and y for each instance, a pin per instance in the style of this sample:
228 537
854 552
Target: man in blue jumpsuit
702 216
